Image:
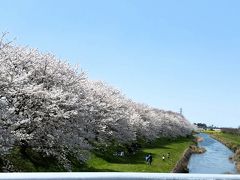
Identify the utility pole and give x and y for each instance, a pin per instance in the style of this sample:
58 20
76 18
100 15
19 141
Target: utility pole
181 111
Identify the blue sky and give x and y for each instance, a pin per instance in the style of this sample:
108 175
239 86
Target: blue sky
168 54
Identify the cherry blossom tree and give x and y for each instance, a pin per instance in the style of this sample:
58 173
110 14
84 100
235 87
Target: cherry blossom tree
114 116
43 96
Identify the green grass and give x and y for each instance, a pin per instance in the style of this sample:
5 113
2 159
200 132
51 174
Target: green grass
32 161
136 163
231 137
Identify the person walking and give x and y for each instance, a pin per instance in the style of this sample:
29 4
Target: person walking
150 159
163 158
146 158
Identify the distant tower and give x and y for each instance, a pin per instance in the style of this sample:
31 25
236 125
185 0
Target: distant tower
181 111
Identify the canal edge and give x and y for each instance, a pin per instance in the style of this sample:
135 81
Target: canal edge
181 166
235 150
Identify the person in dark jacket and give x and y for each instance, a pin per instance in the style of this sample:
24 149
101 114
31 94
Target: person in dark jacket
150 159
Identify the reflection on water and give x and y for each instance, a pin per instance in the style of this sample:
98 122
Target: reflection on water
214 161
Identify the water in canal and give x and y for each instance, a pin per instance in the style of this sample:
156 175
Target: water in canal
214 161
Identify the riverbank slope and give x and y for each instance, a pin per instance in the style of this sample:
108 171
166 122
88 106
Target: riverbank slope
182 164
31 161
232 141
136 162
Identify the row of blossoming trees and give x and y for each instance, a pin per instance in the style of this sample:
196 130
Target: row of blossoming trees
49 106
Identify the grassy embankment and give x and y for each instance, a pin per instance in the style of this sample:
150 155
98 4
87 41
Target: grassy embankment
136 162
232 141
33 162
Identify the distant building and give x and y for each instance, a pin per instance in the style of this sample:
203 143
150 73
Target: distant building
216 129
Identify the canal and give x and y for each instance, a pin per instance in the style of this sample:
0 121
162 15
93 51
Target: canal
214 161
